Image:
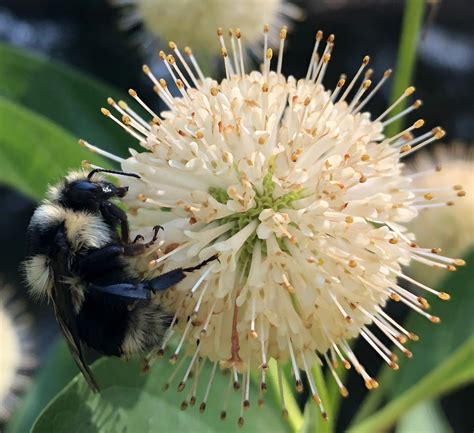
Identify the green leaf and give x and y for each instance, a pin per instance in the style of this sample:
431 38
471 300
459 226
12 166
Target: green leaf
442 359
65 96
58 369
34 151
133 403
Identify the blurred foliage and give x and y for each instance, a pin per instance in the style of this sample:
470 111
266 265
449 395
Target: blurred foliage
35 151
65 96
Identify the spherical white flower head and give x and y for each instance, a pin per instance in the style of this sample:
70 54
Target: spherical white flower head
447 165
301 196
15 356
186 21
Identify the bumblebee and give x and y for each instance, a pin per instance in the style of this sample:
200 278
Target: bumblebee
78 256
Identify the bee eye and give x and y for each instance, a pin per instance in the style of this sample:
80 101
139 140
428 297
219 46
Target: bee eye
86 187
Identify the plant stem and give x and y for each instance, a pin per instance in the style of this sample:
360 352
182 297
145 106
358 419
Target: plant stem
447 376
412 19
295 417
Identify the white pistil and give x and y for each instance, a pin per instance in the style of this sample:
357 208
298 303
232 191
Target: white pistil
369 381
283 32
241 53
312 385
173 374
174 47
182 384
344 313
431 318
157 261
134 115
325 61
440 295
314 54
385 77
199 301
100 151
172 61
202 406
382 346
418 124
190 54
409 91
437 136
235 374
265 46
181 341
135 96
223 413
387 330
414 106
342 389
253 332
365 62
234 52
203 331
344 361
108 114
327 50
296 370
166 98
203 277
388 318
374 346
365 85
263 346
268 58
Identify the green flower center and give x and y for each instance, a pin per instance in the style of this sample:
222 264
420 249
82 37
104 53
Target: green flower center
263 200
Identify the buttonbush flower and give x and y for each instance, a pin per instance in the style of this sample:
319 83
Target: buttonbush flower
302 196
435 172
186 22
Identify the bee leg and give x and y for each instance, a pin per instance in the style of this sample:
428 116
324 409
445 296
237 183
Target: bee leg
114 215
156 230
100 261
130 291
135 248
169 279
138 238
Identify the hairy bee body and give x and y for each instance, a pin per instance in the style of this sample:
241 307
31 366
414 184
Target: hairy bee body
79 256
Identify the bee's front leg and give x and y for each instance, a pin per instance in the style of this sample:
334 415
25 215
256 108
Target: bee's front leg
136 248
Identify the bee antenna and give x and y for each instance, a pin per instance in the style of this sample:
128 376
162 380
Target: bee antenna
118 172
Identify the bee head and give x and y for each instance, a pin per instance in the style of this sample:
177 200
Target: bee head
87 193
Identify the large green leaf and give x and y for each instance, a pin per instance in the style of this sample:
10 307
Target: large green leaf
133 403
34 151
57 371
65 96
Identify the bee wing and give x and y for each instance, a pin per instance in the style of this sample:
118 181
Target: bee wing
65 315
